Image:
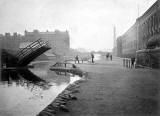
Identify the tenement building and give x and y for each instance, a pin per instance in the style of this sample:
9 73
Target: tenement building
127 43
129 40
142 40
148 52
59 42
10 42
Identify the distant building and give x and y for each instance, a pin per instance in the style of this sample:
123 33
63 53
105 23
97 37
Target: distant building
119 46
127 43
129 40
59 41
114 51
10 42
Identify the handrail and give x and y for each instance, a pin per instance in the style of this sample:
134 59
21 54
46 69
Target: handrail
26 49
28 46
62 64
32 47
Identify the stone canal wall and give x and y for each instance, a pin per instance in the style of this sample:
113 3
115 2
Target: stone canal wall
149 58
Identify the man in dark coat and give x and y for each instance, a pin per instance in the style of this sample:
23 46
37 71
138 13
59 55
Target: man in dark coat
92 56
132 62
76 59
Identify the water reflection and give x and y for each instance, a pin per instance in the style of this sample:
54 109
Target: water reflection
23 97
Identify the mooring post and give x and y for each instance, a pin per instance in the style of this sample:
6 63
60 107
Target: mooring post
123 62
127 63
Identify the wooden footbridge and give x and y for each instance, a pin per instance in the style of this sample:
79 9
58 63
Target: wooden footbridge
67 68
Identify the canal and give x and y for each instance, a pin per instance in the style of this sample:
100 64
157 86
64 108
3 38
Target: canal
20 97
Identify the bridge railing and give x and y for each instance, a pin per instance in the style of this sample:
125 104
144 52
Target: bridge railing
31 48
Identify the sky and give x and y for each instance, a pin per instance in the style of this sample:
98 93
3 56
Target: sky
89 22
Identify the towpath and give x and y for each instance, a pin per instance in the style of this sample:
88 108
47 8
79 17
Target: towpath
112 90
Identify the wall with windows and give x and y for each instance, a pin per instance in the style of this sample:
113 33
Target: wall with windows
129 42
142 40
148 53
149 27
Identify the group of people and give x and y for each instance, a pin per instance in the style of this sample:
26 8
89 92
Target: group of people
126 62
77 58
108 56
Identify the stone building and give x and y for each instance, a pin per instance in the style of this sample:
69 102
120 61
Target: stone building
127 43
149 27
142 40
8 44
11 42
148 52
59 42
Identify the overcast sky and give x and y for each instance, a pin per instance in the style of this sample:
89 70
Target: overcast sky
89 22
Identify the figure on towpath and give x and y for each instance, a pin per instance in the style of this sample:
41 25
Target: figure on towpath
76 59
132 62
110 56
92 56
107 55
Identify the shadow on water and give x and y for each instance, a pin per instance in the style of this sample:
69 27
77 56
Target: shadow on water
24 77
28 75
20 74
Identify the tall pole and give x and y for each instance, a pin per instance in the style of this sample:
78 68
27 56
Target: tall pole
114 36
114 40
137 33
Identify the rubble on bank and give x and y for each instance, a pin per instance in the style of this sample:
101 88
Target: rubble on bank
59 103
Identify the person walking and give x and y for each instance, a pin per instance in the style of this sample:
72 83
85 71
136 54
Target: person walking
107 55
92 56
76 59
132 62
111 57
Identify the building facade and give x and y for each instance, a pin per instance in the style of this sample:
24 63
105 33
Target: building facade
11 42
148 53
142 40
59 41
149 27
127 43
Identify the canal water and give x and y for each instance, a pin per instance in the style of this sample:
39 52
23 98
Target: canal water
20 97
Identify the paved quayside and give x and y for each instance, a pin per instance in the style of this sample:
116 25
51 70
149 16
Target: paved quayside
112 90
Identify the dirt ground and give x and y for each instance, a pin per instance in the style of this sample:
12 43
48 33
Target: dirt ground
112 90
